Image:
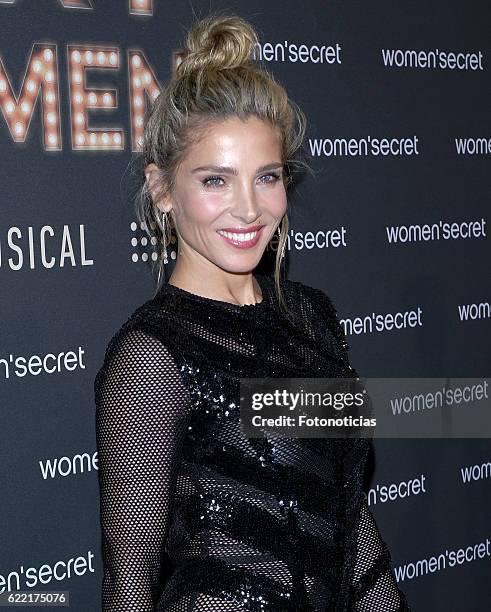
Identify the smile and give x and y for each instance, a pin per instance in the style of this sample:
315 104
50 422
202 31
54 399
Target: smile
242 239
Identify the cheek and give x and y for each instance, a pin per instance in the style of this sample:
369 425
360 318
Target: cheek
278 202
199 208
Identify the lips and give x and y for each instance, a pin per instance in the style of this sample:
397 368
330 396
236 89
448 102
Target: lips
241 230
243 238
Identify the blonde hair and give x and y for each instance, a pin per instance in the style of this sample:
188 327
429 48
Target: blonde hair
216 79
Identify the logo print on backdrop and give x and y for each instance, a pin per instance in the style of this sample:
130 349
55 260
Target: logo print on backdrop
144 248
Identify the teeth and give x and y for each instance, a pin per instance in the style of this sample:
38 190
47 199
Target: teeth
238 237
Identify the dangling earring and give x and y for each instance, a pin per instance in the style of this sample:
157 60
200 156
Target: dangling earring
164 233
284 245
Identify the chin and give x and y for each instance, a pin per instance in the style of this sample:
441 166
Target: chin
240 265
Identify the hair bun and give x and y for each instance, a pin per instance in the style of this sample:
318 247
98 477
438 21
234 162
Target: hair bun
217 43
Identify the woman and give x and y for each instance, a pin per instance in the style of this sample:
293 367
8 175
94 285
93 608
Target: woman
194 515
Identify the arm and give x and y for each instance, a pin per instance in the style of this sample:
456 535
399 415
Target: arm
141 420
374 583
371 583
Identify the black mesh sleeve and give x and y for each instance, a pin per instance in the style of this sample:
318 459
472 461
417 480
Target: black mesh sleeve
142 410
373 586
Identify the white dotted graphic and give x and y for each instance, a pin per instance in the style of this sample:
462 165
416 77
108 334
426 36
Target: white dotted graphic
144 247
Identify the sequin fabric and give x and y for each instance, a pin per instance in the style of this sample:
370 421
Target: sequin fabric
197 517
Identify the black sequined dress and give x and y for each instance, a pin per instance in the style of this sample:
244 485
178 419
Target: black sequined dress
197 517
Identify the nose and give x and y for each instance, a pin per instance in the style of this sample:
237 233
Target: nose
246 206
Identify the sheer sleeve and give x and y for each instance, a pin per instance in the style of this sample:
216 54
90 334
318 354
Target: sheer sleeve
372 585
142 410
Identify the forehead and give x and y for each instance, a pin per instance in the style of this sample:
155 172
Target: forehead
234 136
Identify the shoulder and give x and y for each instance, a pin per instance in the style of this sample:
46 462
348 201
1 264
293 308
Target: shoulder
316 306
137 344
153 318
135 324
319 301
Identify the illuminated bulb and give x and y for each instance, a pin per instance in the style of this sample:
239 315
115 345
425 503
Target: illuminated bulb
79 118
3 85
101 57
137 81
138 101
19 127
51 118
113 58
76 57
106 98
92 98
105 138
50 97
80 139
93 139
49 76
89 57
25 107
147 78
52 139
36 66
139 121
9 107
155 93
77 77
117 138
136 61
30 85
48 55
78 98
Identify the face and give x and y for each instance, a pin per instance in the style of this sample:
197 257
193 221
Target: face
230 196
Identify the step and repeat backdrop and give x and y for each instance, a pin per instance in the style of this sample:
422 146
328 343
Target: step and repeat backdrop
393 226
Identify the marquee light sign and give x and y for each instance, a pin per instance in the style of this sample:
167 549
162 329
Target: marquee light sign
41 85
136 7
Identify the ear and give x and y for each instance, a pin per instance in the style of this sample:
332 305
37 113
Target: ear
153 182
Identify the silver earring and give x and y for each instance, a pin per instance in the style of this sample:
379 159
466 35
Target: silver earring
164 233
284 245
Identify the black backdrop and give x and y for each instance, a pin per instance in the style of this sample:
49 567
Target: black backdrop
397 142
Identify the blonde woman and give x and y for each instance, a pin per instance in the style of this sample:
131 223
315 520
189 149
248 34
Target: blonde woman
195 516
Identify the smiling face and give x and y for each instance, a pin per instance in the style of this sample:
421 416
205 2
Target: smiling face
229 196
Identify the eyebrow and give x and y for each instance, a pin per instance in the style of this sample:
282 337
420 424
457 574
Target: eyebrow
229 170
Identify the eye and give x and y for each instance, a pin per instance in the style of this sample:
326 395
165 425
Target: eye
275 176
210 181
207 182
